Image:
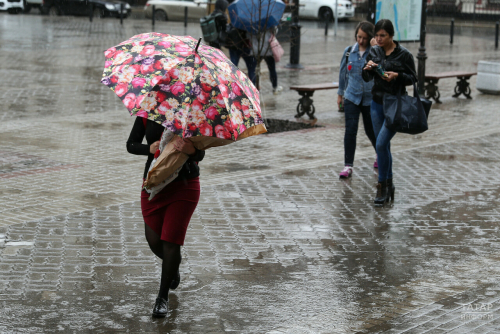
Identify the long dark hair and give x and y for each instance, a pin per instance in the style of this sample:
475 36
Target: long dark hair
366 27
385 25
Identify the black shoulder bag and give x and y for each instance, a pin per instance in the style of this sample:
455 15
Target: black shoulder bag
406 114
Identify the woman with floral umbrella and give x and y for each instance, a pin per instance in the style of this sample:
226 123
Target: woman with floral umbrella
195 93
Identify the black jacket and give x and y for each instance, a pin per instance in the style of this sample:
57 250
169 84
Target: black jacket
400 61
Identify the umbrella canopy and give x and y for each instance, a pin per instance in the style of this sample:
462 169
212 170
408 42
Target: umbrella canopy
191 89
256 15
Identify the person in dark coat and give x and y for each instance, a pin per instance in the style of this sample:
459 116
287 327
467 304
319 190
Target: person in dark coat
399 67
220 21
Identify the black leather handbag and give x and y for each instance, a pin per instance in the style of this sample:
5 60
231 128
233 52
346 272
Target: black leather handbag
406 114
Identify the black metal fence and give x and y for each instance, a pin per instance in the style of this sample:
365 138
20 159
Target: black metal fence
477 10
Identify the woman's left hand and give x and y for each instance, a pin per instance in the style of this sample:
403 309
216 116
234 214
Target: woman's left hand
390 76
185 146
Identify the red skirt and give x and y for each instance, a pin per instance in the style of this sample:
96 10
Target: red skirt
170 211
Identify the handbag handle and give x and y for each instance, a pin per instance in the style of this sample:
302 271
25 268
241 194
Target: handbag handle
415 90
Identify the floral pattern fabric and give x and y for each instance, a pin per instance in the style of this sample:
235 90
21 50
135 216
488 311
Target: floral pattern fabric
160 77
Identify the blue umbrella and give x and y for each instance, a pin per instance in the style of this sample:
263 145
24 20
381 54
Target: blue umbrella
256 15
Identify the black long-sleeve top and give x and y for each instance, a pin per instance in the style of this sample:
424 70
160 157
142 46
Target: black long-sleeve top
400 61
153 132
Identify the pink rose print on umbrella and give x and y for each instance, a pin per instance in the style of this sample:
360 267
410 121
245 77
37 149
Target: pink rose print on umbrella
246 110
197 59
203 97
236 88
138 82
158 80
128 60
138 101
145 69
178 88
196 106
163 107
211 113
134 69
183 50
165 44
129 101
222 132
142 113
174 73
206 129
220 101
223 80
148 50
109 53
121 89
224 91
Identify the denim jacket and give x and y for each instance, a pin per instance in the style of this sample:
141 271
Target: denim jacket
351 84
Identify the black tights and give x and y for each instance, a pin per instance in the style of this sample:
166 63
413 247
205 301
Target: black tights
170 254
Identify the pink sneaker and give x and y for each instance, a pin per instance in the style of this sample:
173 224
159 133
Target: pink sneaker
375 164
346 172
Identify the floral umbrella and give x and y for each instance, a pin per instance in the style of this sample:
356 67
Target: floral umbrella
191 89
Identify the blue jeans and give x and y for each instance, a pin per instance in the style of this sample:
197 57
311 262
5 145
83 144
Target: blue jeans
271 65
383 146
235 56
352 112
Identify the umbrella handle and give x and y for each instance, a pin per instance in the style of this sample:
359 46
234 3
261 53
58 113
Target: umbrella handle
197 45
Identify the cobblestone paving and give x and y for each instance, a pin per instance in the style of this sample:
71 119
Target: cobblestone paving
278 244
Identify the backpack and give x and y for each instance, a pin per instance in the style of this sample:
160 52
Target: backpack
209 26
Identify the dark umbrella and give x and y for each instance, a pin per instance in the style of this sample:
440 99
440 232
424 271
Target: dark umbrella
256 15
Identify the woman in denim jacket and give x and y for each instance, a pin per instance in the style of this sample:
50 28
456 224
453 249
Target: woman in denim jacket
357 94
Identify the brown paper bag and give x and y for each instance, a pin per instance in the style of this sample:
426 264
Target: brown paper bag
167 163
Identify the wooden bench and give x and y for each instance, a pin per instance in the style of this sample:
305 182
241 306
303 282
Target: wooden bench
306 105
462 87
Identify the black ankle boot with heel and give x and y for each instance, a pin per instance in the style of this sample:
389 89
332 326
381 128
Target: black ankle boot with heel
381 196
160 309
390 190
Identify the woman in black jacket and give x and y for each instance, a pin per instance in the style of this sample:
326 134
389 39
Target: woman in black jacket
397 62
167 215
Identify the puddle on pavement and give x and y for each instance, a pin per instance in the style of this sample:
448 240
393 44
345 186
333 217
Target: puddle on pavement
280 125
456 157
231 167
101 126
298 172
10 139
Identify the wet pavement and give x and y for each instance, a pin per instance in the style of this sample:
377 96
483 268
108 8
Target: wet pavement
278 244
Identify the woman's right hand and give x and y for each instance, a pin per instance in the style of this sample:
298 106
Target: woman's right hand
154 147
339 100
370 66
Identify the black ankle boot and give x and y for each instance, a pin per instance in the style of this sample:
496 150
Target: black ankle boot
381 196
390 190
160 309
